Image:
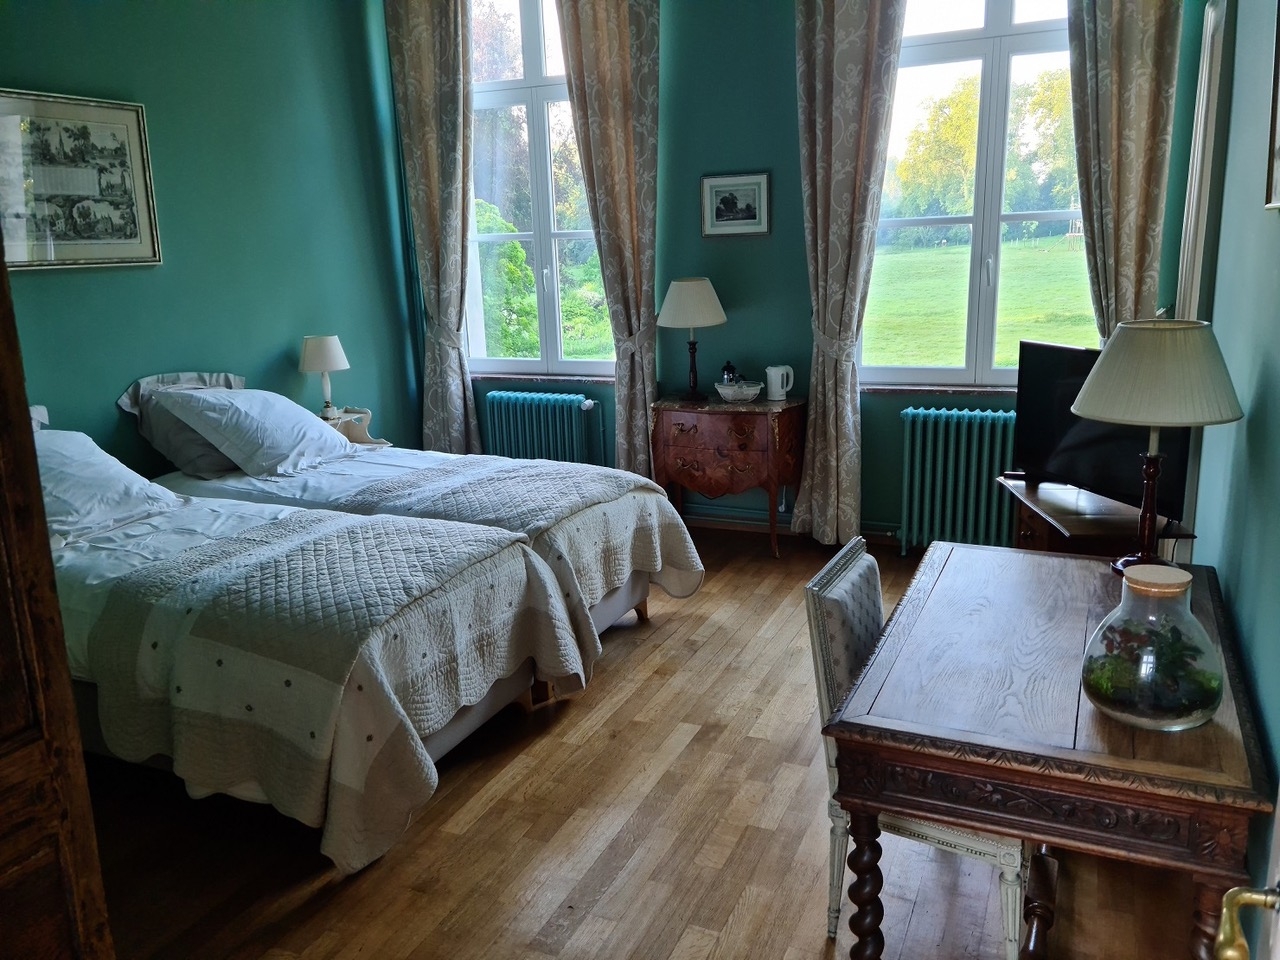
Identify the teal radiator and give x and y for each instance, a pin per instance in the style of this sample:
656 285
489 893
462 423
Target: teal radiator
543 426
950 461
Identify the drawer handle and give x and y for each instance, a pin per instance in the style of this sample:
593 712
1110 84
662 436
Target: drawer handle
741 433
748 468
689 428
684 464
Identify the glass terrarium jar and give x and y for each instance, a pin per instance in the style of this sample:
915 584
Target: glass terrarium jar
1150 663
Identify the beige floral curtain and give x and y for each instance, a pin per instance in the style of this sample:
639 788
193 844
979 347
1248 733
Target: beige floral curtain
846 62
611 61
1124 67
430 47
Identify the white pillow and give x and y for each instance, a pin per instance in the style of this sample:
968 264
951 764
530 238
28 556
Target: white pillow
267 435
182 446
87 491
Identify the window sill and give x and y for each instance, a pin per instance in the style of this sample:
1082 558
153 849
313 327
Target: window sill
941 390
565 378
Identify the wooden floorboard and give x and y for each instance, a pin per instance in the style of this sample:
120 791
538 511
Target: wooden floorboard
675 810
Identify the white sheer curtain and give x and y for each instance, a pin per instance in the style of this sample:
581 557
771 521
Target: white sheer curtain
611 63
846 64
1124 69
430 47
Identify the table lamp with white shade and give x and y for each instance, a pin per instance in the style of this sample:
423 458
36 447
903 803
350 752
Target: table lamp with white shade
691 302
320 355
1157 373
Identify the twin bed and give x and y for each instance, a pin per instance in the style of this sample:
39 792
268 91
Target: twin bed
322 659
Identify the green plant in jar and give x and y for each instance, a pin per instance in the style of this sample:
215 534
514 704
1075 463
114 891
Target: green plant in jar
1150 662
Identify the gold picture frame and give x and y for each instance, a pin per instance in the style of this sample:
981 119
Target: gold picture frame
75 182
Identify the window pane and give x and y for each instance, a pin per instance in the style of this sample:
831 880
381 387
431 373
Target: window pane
1043 291
509 297
943 16
496 52
501 165
1040 159
918 305
1031 11
585 333
569 192
933 141
552 50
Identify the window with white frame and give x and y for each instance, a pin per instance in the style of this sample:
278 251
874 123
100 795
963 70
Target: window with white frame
535 298
979 243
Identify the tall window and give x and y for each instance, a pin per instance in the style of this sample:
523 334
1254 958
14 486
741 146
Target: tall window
535 298
979 242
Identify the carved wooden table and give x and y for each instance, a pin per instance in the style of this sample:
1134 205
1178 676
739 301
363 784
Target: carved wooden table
970 713
714 448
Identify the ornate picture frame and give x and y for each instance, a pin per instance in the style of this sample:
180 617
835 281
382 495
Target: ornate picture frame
75 182
735 205
1273 161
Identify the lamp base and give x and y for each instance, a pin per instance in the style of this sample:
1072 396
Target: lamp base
328 411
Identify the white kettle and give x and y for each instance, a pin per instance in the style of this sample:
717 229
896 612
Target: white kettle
778 380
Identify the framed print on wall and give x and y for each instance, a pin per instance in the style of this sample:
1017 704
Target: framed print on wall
1273 161
75 182
735 205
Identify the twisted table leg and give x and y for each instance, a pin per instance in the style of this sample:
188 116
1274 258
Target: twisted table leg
864 892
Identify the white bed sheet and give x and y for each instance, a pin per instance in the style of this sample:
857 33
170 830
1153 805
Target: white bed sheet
87 569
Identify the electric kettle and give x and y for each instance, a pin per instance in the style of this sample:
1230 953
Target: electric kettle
778 380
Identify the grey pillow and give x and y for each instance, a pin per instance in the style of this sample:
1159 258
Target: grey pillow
182 446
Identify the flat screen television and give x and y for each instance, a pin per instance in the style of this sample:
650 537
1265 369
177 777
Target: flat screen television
1052 444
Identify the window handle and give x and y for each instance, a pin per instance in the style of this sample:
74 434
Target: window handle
988 270
546 279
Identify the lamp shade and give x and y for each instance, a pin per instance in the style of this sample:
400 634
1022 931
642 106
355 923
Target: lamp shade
320 354
1160 373
691 302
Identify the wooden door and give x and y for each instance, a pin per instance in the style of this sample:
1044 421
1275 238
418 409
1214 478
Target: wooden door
51 901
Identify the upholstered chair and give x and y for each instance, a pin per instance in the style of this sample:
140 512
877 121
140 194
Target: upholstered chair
845 620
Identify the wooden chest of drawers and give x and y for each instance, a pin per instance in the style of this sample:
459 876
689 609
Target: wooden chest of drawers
716 448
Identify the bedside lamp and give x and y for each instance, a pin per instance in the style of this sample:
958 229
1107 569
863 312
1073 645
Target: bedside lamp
320 355
1157 373
692 302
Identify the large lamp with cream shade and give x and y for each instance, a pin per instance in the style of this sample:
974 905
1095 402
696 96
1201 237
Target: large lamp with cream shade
1158 373
691 302
320 355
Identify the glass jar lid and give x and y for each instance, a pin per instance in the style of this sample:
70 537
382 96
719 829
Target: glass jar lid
1156 580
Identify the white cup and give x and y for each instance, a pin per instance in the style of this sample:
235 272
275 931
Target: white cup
778 380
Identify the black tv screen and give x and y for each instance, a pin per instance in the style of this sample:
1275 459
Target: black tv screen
1052 444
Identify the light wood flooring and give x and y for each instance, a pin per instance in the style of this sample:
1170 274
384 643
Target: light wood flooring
676 810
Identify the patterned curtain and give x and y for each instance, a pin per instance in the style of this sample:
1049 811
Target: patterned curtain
846 62
430 47
611 60
1124 67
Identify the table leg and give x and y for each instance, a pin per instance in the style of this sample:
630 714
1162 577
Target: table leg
1208 911
864 892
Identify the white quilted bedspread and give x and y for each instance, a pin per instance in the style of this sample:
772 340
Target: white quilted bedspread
594 525
304 659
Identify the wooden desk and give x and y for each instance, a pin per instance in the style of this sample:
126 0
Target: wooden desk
714 448
970 713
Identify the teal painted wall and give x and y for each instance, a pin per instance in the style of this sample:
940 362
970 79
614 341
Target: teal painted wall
275 170
1237 519
727 104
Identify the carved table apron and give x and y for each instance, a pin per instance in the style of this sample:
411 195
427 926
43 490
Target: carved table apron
970 713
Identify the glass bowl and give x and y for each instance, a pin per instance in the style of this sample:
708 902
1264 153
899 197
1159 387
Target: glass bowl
740 392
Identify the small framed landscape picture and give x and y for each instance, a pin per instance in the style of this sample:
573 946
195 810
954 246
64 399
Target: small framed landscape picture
736 205
75 182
